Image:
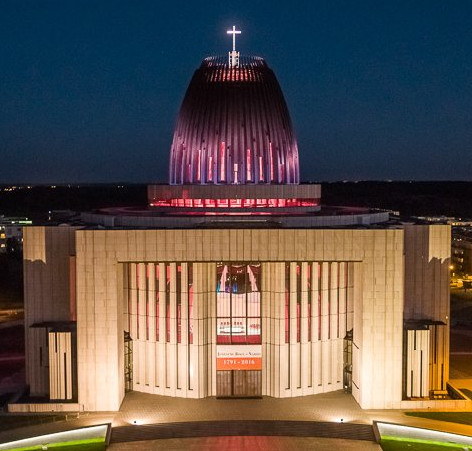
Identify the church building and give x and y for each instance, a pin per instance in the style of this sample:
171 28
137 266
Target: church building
234 280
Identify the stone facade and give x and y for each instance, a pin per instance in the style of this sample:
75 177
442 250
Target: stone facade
371 281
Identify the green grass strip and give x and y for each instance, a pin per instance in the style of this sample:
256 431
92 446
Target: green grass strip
89 441
424 442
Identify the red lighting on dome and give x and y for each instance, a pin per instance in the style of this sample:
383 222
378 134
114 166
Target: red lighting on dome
222 161
210 168
248 165
234 128
235 203
199 164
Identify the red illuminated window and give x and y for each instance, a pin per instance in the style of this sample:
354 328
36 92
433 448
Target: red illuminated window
157 302
308 275
190 303
248 165
287 302
137 301
147 302
199 162
167 303
210 168
329 300
319 301
299 299
234 203
178 295
222 161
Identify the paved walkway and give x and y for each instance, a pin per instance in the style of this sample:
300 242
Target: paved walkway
155 410
327 407
151 409
247 443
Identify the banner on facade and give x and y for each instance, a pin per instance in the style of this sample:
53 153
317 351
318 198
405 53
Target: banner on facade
238 357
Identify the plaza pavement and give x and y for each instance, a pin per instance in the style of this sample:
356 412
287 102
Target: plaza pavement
154 409
247 443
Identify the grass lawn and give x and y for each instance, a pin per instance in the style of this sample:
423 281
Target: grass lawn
85 444
411 445
69 446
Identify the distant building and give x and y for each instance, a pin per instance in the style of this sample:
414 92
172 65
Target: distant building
450 220
11 233
462 250
235 281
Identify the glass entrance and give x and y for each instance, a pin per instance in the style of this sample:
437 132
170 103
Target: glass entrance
239 384
239 360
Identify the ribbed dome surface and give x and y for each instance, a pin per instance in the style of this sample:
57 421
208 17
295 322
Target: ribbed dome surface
234 127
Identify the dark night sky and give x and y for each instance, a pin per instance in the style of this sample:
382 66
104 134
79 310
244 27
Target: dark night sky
89 90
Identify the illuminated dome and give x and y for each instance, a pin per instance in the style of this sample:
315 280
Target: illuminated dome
234 127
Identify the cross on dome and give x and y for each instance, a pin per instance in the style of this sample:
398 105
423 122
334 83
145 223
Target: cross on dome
234 32
234 55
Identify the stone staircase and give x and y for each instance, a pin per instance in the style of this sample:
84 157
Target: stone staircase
350 431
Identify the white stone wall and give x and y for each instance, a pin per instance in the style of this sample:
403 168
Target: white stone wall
427 260
46 252
377 302
380 264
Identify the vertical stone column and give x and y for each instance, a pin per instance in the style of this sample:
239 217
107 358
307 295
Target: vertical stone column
275 352
133 301
139 345
151 344
335 345
325 357
161 359
171 343
183 345
198 355
305 364
294 361
357 327
211 327
317 319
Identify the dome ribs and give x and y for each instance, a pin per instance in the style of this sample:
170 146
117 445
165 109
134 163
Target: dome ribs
234 128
